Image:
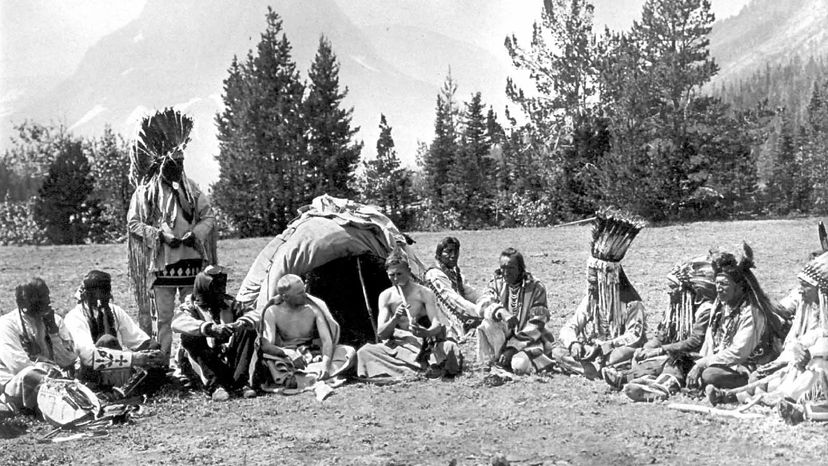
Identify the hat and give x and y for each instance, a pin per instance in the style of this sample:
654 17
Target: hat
290 285
815 272
696 273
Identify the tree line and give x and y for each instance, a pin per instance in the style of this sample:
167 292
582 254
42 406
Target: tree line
626 118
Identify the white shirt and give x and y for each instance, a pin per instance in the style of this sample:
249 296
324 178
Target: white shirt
129 335
13 356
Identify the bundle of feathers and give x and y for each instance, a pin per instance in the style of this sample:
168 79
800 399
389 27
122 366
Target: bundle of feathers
161 135
736 264
612 233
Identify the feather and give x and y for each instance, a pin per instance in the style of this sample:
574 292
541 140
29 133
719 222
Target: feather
160 135
746 261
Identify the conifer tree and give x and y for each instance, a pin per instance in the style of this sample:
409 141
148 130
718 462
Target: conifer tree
385 183
332 155
561 62
468 175
62 198
672 35
261 132
783 181
440 157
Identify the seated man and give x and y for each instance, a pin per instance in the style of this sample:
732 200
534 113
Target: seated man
738 337
455 299
218 345
679 336
110 345
34 346
299 333
609 324
514 331
790 376
412 338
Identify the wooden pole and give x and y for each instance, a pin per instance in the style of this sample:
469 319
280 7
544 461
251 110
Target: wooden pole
576 222
689 408
367 301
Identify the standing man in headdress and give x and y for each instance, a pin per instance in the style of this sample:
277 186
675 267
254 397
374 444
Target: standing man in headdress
171 225
609 324
743 325
455 299
34 345
660 366
513 333
110 345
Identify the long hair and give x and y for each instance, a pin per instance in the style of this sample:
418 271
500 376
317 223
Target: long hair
738 267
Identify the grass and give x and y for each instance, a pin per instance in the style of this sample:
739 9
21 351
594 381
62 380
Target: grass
535 420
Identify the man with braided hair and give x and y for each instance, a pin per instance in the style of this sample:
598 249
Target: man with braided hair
34 346
110 345
171 224
740 335
455 298
514 332
660 366
797 377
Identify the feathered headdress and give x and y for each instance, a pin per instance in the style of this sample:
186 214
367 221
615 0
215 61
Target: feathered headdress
696 274
815 272
160 136
696 282
612 233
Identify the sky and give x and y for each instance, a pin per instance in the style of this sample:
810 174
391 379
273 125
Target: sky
26 25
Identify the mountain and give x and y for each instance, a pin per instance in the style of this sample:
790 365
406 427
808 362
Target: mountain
177 54
768 32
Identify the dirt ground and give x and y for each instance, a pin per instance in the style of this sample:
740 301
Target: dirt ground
551 419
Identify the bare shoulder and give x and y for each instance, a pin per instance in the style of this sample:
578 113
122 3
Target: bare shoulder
386 294
423 292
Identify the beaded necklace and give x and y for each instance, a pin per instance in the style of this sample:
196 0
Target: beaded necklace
514 298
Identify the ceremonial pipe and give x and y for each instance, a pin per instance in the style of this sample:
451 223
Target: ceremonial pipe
402 296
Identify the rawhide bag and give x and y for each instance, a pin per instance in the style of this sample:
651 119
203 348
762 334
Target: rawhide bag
65 402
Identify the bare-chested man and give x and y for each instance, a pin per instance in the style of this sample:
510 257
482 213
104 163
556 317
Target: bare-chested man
300 334
411 334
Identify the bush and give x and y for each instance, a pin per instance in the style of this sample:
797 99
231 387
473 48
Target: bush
17 225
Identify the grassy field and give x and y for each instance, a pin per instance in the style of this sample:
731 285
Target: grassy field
535 420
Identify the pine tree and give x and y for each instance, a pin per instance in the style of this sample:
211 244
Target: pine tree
672 35
385 183
658 119
782 185
262 149
61 203
332 156
468 175
561 60
441 154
